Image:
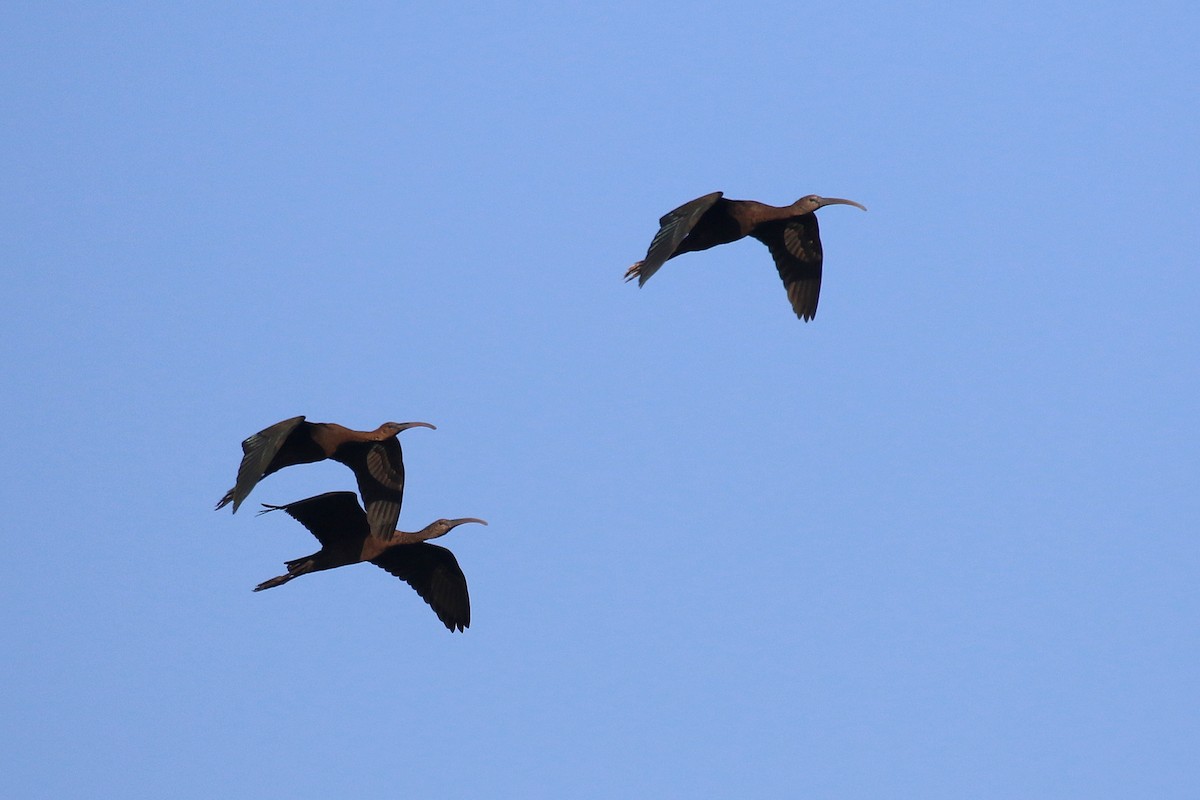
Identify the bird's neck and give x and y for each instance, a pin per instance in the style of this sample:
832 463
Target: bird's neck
351 435
423 535
759 213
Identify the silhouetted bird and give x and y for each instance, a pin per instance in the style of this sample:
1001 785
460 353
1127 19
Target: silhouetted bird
790 233
340 525
374 456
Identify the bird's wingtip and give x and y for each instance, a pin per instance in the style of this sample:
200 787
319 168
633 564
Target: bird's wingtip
226 500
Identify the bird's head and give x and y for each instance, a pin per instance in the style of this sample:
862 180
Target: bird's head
443 526
389 429
812 202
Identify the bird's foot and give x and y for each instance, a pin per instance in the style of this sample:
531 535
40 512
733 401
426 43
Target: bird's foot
634 271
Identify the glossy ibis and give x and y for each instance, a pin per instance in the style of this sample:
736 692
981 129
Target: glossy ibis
374 456
340 525
789 232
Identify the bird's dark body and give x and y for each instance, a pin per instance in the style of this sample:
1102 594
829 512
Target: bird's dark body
303 444
374 456
789 232
341 526
721 224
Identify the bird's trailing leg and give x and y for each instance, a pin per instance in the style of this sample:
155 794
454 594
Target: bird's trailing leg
296 568
634 272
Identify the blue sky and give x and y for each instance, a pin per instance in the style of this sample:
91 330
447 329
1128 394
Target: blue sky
940 542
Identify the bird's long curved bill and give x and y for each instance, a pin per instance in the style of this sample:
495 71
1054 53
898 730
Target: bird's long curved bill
837 201
406 425
457 522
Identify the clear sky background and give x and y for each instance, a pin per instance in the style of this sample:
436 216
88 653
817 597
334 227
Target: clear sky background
939 543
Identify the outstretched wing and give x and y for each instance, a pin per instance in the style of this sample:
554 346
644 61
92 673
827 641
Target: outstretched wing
795 244
379 469
331 517
258 452
434 572
673 229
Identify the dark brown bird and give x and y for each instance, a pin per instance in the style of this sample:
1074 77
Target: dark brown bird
789 232
374 456
340 525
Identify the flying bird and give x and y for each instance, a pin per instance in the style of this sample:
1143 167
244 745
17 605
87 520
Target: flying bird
789 232
340 525
374 456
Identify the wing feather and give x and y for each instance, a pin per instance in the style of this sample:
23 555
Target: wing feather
379 470
434 573
258 452
673 229
795 244
331 517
